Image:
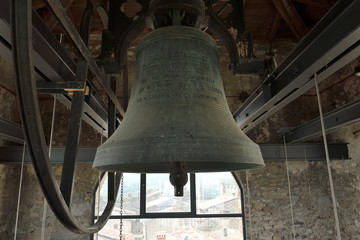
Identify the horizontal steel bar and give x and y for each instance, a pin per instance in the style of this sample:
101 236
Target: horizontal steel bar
340 117
11 131
302 152
331 44
60 85
92 115
175 215
249 66
270 152
12 155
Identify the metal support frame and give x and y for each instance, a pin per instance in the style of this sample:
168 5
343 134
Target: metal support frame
11 131
331 44
302 152
61 85
30 115
64 20
73 136
333 120
53 66
270 152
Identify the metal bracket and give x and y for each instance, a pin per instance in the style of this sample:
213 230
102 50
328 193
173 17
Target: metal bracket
62 87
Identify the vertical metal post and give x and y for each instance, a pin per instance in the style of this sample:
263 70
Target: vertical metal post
111 187
192 194
111 110
143 194
125 86
111 129
73 137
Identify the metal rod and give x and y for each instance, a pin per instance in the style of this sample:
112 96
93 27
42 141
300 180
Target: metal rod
52 126
289 188
328 161
19 193
43 225
331 44
249 203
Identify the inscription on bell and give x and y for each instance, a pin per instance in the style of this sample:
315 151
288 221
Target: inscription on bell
188 75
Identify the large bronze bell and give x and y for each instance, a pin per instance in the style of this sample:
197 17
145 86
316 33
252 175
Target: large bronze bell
178 111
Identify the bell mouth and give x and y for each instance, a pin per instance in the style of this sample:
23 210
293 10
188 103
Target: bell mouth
156 155
165 167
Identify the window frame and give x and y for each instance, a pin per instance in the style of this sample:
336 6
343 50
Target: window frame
161 215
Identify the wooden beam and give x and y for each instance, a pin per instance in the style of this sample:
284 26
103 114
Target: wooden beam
38 4
274 27
292 18
318 3
51 22
294 15
281 10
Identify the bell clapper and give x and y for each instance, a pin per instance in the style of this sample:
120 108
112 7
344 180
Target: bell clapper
178 178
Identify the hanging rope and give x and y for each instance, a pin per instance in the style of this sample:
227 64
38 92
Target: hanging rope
328 160
121 205
19 194
43 225
249 203
289 186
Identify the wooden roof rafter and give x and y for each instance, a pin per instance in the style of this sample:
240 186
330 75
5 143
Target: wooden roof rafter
292 18
319 3
50 19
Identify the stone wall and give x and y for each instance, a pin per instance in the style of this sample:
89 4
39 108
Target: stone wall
269 206
32 203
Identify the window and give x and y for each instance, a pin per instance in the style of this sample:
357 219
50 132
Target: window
211 208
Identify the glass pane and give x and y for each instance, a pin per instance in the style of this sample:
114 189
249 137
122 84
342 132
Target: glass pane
175 229
217 193
131 196
160 195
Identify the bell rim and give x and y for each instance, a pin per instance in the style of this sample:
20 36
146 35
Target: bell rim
222 156
165 167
